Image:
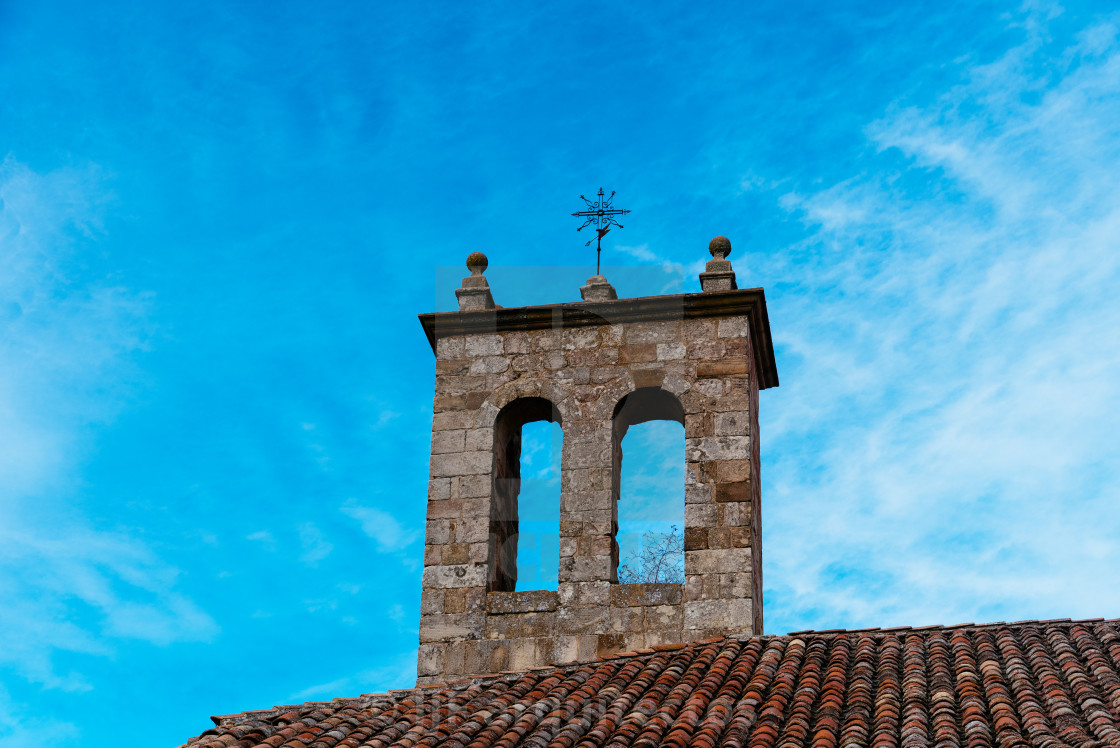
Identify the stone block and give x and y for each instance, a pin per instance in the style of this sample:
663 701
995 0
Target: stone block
626 620
439 489
727 492
585 569
730 402
445 509
670 351
542 340
723 615
461 463
724 560
478 553
629 354
718 537
580 338
451 420
652 332
700 515
529 362
522 654
459 385
664 617
735 586
645 593
732 423
567 593
710 388
457 657
433 555
478 440
725 368
693 588
593 620
673 636
467 401
647 377
593 593
697 493
431 659
554 360
431 602
489 365
471 487
455 553
566 649
449 347
522 601
732 471
452 366
437 531
451 577
470 530
704 349
695 538
603 374
499 656
516 342
476 599
716 448
483 345
731 327
737 514
477 656
608 644
455 601
451 626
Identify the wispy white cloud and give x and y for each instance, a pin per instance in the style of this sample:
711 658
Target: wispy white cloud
941 447
314 547
67 350
19 729
399 672
383 527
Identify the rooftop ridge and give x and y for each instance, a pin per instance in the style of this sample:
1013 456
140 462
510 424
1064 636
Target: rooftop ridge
394 697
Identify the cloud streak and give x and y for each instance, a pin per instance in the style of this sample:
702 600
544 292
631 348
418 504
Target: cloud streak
65 365
941 446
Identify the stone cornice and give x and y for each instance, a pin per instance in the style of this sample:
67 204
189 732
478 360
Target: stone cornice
750 302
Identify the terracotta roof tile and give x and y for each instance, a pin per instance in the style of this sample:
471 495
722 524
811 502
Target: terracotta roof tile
1031 683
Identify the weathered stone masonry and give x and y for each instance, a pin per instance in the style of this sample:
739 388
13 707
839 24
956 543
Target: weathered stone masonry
596 367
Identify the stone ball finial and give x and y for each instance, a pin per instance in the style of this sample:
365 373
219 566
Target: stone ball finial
720 247
477 263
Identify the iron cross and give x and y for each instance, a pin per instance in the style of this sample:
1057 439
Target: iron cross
601 214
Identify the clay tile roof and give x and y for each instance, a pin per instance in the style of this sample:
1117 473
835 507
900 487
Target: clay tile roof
1033 683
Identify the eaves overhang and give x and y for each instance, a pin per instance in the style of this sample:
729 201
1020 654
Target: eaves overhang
749 302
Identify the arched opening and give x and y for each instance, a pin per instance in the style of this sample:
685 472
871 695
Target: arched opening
649 487
526 461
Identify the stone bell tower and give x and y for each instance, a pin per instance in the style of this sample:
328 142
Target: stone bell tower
596 367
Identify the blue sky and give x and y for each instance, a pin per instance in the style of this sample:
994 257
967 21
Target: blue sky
218 222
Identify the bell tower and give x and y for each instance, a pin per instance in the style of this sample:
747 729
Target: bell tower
595 367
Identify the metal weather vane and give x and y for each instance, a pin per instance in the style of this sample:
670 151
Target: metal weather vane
600 214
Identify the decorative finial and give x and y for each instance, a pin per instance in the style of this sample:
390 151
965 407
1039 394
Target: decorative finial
718 275
601 214
475 293
477 263
720 247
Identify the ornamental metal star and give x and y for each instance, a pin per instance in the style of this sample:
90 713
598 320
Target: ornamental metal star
601 214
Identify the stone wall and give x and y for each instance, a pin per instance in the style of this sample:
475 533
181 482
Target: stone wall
593 365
